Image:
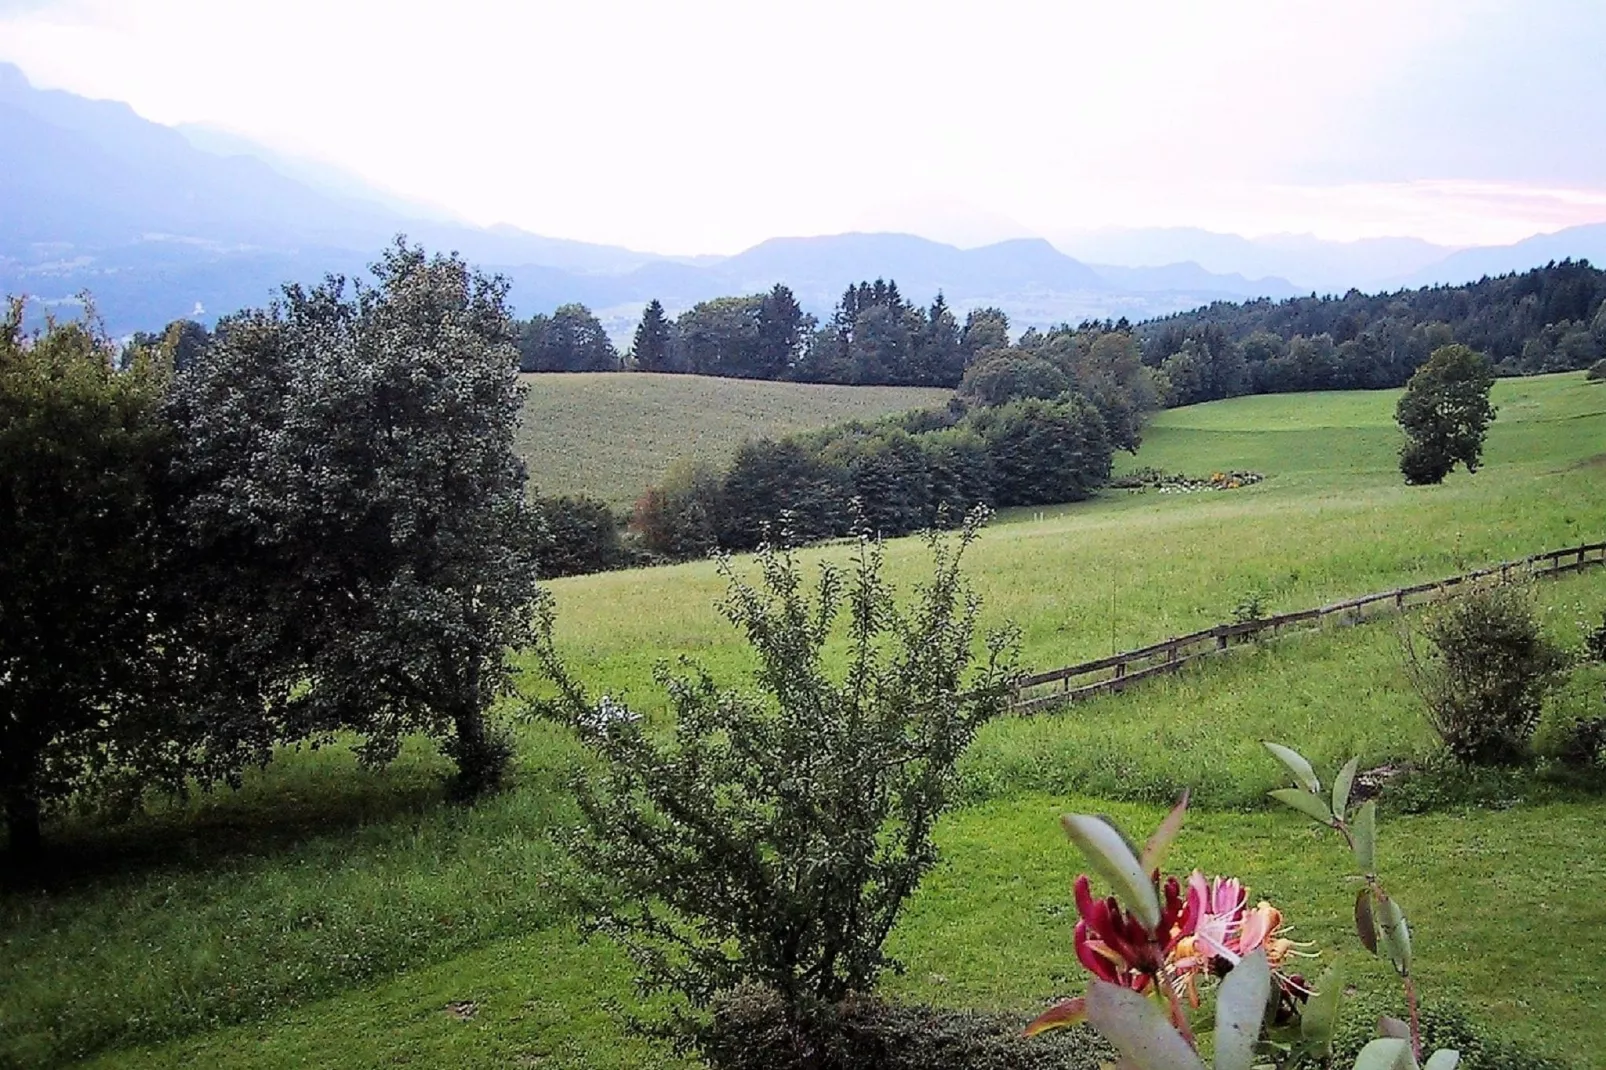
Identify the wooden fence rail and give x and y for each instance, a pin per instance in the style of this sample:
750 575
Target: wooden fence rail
1100 676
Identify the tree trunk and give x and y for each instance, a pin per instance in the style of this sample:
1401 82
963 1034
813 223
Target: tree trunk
22 827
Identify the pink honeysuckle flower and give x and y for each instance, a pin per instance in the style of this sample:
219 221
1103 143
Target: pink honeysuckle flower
1218 909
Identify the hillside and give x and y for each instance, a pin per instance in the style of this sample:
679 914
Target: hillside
333 916
612 436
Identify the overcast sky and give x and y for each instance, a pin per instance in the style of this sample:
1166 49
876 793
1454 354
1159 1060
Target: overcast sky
704 126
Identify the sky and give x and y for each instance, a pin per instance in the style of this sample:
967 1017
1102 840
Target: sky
704 126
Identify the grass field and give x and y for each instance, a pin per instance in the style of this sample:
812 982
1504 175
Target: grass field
326 916
612 436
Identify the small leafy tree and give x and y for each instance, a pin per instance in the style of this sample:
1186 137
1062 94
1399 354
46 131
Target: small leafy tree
1485 674
364 550
82 450
1445 414
774 838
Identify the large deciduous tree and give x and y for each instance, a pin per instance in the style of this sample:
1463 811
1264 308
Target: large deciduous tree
362 546
1445 414
82 449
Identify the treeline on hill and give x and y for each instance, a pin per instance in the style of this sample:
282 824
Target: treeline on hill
1550 319
875 337
1036 423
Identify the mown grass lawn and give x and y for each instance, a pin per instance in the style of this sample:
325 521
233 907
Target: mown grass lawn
327 916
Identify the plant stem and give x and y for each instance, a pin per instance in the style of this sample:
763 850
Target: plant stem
1416 1024
1178 1019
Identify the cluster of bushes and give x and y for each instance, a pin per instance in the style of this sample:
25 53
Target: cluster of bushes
917 470
312 522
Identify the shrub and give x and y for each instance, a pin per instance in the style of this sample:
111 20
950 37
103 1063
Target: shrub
1442 1026
1583 742
579 535
1595 642
775 840
1597 371
750 1031
1486 674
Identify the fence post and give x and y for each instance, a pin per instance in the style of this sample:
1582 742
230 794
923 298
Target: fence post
1221 638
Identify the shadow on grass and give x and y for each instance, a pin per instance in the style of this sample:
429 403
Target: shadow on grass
300 796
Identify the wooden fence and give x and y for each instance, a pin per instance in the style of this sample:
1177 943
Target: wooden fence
1057 687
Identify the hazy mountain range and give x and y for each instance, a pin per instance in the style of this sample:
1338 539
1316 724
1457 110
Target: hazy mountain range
159 222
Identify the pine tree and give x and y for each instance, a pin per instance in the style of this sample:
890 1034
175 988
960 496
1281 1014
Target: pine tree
651 348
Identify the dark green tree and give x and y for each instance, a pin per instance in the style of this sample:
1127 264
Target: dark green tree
720 337
782 328
651 350
579 535
1045 452
985 329
82 451
1005 375
1445 414
569 340
365 553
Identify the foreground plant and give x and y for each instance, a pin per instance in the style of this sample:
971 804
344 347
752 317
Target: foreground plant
1159 955
773 838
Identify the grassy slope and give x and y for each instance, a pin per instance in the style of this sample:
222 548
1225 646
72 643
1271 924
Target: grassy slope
340 939
611 436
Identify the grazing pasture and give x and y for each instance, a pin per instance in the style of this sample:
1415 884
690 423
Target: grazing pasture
328 916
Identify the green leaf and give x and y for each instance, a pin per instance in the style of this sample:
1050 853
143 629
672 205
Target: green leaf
1395 933
1365 924
1067 1012
1393 1027
1320 1016
1443 1059
1342 784
1240 1008
1107 852
1304 775
1306 803
1364 830
1386 1053
1154 851
1138 1029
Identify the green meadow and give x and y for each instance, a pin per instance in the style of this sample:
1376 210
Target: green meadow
327 916
612 436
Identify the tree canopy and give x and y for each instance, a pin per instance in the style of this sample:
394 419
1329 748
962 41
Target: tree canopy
1445 414
82 454
365 550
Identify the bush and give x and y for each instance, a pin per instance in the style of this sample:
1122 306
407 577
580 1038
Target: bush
1485 678
1597 371
1442 1027
750 1031
775 840
579 535
1595 642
